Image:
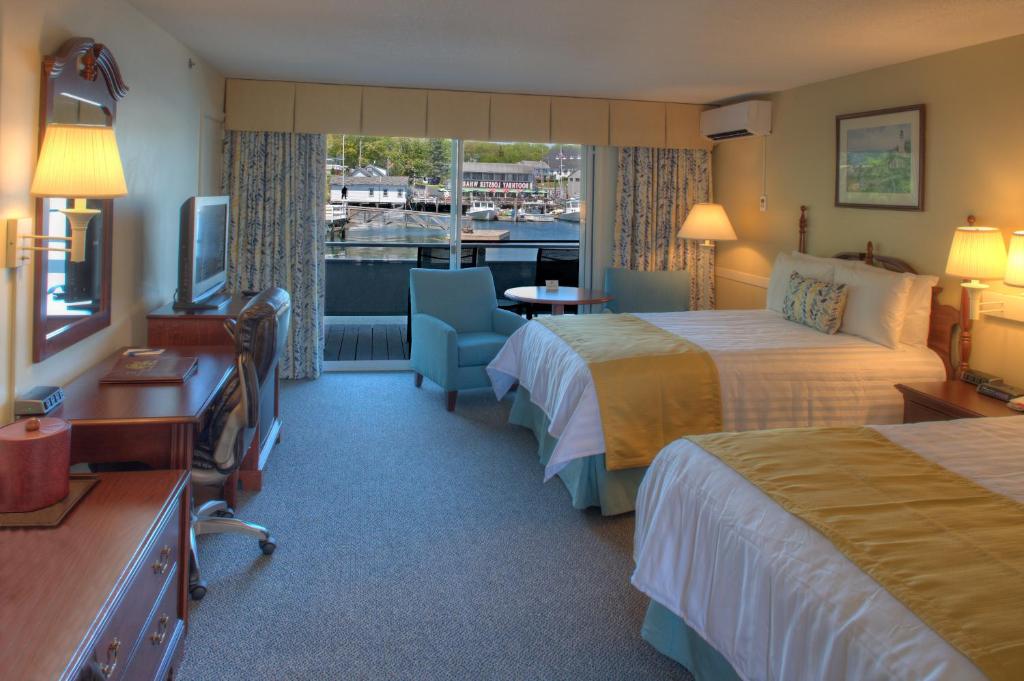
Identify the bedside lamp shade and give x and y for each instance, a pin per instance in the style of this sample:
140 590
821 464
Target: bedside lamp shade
79 162
707 222
977 253
1015 260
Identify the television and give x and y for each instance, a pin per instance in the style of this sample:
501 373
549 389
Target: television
202 253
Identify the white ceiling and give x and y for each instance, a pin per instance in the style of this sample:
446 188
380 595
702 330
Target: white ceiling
677 50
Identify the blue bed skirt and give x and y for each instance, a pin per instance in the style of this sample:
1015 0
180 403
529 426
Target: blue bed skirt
673 638
587 480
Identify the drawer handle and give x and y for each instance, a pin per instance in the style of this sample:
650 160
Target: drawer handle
108 669
160 566
158 636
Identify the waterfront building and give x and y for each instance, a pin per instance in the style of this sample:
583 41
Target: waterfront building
499 179
388 190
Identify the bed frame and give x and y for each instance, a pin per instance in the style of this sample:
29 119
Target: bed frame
945 319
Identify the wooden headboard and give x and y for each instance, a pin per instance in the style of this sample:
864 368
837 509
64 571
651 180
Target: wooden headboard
945 320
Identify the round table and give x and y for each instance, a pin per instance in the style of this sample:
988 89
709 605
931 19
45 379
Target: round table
557 299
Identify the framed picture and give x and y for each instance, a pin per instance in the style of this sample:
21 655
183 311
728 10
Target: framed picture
880 159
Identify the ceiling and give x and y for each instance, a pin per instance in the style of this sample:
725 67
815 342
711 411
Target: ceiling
676 50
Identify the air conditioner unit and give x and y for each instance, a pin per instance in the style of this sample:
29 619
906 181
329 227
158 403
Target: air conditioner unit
744 119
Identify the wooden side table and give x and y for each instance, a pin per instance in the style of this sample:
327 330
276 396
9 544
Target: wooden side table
557 299
947 400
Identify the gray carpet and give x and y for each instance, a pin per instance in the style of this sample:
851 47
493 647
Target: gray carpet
416 544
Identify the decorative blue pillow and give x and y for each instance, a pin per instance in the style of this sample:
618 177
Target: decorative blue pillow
815 303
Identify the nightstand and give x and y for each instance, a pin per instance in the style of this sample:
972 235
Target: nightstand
947 400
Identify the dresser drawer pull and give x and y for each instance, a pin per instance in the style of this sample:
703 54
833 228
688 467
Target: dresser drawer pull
108 669
160 566
158 636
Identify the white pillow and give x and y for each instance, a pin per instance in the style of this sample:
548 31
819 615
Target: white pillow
876 304
917 320
810 267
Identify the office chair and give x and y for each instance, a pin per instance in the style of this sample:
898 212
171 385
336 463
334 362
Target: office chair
259 332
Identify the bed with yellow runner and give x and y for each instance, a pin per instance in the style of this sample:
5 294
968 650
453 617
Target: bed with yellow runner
892 552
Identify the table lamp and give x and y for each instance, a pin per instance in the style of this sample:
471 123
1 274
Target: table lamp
977 253
707 222
1015 260
79 162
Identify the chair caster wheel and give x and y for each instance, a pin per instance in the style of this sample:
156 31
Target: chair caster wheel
225 514
197 591
267 546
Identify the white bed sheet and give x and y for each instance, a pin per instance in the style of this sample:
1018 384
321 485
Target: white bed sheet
774 596
773 373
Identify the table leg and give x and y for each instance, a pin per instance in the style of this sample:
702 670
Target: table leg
557 309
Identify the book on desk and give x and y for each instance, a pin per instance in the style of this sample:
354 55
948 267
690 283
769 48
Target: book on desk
151 369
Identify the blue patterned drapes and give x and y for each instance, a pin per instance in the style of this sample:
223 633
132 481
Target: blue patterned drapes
656 189
277 183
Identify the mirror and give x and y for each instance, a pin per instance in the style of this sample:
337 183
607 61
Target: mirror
81 86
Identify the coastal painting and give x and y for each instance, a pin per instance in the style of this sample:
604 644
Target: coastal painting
880 159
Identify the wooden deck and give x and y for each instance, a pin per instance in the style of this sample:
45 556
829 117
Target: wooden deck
351 342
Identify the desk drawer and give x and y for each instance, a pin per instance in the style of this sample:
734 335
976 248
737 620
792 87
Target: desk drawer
160 635
117 644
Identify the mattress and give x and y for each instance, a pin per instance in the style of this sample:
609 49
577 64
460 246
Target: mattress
772 594
773 373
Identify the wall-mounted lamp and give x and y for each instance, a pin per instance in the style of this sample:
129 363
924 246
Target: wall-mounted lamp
707 222
78 161
1015 260
977 253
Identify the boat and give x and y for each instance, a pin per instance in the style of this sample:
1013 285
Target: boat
482 210
535 212
571 212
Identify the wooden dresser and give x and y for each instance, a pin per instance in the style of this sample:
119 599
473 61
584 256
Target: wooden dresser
166 326
103 595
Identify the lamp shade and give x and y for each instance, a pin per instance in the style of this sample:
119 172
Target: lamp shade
707 221
1015 261
977 253
79 161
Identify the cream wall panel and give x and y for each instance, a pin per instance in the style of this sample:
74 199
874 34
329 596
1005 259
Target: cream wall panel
637 124
682 127
520 118
260 105
396 112
579 121
458 114
328 108
975 140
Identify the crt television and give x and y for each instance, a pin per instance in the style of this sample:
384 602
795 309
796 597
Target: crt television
202 251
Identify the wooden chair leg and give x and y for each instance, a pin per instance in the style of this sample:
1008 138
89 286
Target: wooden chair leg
452 396
419 380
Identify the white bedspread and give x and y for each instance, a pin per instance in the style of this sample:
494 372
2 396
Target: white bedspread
771 593
774 374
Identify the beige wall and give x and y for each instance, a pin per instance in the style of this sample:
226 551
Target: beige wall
974 151
162 124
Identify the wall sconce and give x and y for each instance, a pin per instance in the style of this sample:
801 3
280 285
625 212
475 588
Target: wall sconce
1005 304
78 161
708 223
19 231
977 253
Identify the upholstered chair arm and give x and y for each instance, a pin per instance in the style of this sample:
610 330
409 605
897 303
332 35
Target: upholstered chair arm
435 351
505 322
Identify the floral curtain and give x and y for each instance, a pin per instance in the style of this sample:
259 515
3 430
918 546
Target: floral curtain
276 182
656 189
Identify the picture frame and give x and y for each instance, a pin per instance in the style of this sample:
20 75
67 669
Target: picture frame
880 159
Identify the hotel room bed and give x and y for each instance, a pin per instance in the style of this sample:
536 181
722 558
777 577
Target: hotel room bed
741 588
773 373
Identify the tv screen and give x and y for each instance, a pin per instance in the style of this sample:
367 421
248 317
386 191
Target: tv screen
202 266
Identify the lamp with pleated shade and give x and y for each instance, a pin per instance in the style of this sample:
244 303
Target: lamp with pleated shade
707 222
1015 260
79 162
977 253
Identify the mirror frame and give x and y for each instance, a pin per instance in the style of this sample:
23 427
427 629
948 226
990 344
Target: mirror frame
83 69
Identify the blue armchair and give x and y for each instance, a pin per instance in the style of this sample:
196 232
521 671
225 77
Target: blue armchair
457 327
633 291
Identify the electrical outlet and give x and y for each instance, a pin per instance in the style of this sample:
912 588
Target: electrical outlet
763 204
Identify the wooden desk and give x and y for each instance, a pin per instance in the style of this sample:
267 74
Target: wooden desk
558 299
152 423
169 327
107 586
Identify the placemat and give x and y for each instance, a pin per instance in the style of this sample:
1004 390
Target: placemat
78 487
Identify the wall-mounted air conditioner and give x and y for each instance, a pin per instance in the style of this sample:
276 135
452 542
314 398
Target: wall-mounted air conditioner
744 119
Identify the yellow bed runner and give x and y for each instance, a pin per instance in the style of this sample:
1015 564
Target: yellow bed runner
947 548
653 387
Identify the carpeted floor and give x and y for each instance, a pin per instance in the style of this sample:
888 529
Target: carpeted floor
416 544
